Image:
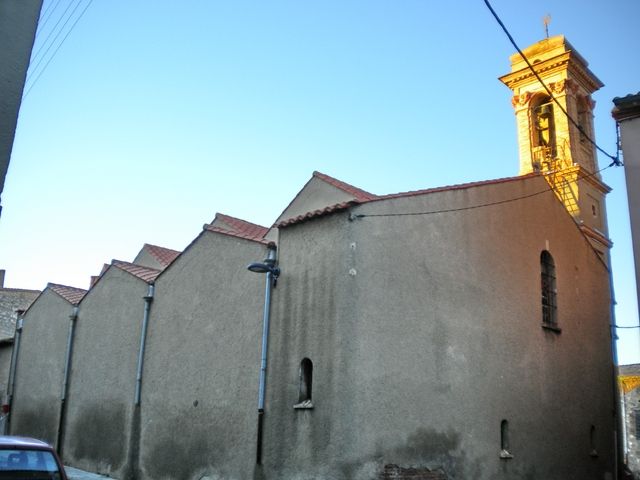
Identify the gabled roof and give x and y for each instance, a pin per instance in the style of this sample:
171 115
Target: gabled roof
143 273
72 295
163 255
358 193
239 226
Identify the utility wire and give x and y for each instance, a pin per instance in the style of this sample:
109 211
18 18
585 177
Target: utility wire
620 326
46 18
58 48
473 207
59 32
616 158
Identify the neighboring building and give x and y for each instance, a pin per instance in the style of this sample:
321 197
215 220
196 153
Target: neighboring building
629 382
40 366
627 114
18 22
12 300
450 333
203 357
102 381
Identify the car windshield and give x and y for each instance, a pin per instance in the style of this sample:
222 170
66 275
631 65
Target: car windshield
28 465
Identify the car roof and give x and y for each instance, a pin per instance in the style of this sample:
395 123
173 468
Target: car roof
24 442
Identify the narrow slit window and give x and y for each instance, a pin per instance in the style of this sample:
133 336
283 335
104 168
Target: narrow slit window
504 440
306 384
592 441
548 290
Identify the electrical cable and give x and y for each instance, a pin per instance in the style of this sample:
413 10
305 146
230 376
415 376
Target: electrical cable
46 18
620 326
58 48
473 207
616 158
52 32
35 67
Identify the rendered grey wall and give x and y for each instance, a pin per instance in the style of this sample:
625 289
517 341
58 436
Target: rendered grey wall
40 368
199 393
6 347
425 332
103 372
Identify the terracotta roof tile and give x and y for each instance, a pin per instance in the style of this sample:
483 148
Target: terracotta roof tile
317 213
72 295
242 226
163 255
247 236
143 273
358 193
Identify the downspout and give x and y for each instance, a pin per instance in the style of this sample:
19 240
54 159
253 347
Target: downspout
12 370
270 280
143 340
133 463
65 379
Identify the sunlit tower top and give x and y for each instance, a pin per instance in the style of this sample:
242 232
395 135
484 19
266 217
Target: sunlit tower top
548 141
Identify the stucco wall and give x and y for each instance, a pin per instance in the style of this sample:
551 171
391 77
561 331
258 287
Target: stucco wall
6 347
103 372
425 333
199 393
40 368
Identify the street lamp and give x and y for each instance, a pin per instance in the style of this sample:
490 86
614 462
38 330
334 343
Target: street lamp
273 272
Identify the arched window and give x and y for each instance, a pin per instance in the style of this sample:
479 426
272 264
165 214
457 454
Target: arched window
549 292
306 384
543 133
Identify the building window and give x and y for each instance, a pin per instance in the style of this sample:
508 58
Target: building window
592 441
306 384
543 134
504 440
549 292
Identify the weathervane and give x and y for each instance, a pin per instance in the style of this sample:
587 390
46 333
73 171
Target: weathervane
546 20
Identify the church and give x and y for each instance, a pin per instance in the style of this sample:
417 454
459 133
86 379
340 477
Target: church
450 333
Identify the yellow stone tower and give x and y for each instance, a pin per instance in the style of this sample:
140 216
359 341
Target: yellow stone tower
549 142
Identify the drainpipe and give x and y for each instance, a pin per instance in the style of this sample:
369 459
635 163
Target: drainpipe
272 272
143 340
12 370
65 379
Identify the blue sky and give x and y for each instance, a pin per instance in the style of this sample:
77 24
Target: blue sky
155 115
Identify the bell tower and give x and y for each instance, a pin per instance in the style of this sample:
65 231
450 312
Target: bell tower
549 143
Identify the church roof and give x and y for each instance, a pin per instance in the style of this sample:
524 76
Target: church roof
72 295
372 198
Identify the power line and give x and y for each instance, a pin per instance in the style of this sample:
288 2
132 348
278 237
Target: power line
46 18
58 48
59 32
616 158
473 207
620 326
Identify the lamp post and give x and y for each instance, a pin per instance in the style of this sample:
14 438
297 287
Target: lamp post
268 267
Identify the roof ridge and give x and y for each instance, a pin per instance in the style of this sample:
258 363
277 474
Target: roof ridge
361 195
457 186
